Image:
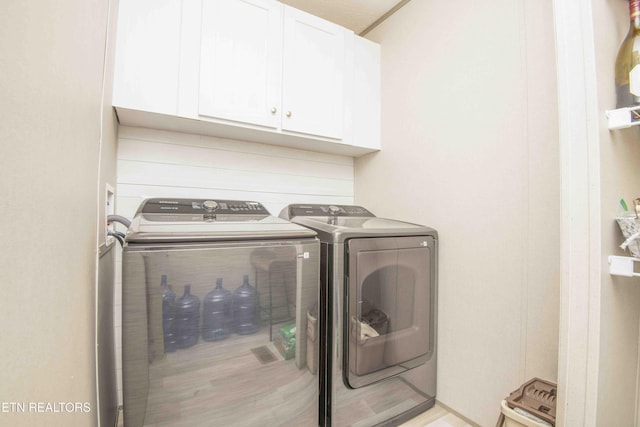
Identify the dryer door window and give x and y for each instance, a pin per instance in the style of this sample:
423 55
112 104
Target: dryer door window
389 324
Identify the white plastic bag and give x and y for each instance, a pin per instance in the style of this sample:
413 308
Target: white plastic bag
630 227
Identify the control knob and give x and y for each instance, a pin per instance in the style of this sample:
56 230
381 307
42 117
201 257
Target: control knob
334 210
210 205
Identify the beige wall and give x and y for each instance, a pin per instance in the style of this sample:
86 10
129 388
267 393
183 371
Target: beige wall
51 84
470 147
620 178
109 146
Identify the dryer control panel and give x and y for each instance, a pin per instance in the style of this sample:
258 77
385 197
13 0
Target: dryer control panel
327 210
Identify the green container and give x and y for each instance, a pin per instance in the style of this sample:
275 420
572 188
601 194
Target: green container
285 341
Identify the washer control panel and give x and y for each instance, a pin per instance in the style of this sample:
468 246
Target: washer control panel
202 207
327 210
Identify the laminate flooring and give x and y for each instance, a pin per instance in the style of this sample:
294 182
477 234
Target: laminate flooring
437 416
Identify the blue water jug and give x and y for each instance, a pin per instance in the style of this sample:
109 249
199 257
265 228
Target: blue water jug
168 315
187 311
244 306
216 314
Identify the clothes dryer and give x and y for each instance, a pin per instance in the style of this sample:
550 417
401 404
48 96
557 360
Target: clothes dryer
377 315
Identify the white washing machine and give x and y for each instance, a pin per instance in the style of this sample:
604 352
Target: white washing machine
378 315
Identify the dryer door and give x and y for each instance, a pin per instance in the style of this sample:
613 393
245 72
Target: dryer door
389 324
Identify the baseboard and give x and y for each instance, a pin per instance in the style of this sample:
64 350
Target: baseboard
467 420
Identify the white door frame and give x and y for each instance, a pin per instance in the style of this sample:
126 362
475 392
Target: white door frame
580 245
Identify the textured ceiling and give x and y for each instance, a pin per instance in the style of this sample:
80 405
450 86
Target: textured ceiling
356 15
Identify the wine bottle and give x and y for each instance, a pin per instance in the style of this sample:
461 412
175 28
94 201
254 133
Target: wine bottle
628 62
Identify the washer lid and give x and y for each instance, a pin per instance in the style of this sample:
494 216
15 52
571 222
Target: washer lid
347 222
192 220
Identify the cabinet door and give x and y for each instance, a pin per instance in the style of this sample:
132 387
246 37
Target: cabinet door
365 93
240 59
313 92
147 55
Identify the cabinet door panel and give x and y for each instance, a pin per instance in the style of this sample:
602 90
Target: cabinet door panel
240 61
147 55
313 92
365 93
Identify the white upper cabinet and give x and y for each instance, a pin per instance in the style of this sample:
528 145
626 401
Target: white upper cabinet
240 61
313 75
147 55
254 70
266 64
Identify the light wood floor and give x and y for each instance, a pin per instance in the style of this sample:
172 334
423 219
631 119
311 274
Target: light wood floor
436 417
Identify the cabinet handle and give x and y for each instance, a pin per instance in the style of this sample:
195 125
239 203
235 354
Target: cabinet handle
274 110
288 113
